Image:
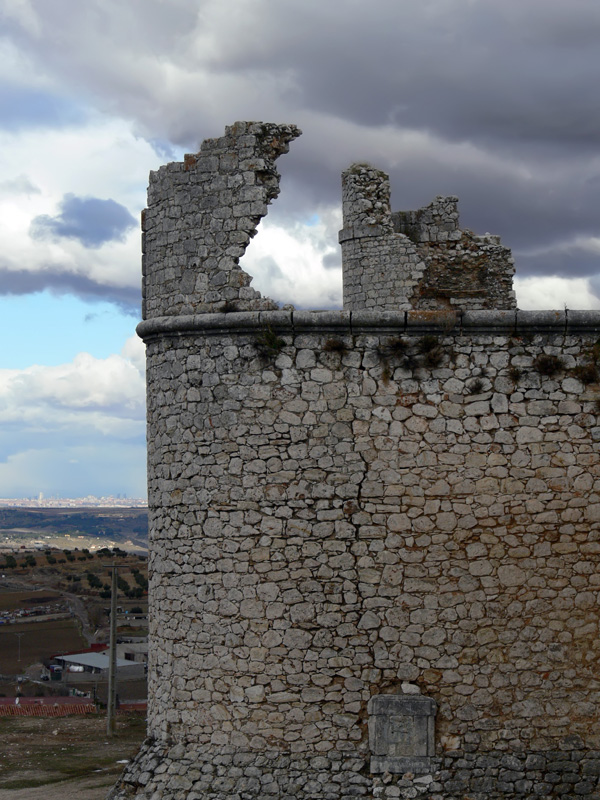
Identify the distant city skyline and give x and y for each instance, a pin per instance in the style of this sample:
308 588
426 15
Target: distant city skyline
88 501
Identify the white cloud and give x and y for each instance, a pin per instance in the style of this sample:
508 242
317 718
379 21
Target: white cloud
98 468
23 13
75 429
134 350
398 147
541 293
104 160
106 395
287 263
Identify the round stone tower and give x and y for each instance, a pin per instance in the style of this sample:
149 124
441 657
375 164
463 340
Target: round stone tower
374 533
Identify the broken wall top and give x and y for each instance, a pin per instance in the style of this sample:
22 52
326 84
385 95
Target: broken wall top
416 259
201 215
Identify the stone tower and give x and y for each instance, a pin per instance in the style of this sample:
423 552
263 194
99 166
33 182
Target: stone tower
374 533
416 259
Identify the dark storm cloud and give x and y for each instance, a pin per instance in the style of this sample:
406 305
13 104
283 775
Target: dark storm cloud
19 282
91 221
504 97
498 71
574 263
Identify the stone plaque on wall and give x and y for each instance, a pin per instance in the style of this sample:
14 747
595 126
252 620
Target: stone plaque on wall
401 733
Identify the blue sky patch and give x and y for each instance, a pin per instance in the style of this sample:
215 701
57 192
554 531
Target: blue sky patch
22 107
47 329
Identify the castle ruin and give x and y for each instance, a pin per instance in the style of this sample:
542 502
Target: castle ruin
374 533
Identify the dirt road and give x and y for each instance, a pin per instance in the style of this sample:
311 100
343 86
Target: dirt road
92 788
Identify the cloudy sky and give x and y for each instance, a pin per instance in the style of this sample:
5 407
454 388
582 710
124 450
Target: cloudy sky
497 102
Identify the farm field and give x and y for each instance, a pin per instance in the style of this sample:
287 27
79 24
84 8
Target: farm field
38 641
54 758
74 527
29 579
39 589
73 571
9 601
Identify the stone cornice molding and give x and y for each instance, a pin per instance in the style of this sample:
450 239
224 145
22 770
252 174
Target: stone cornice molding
466 323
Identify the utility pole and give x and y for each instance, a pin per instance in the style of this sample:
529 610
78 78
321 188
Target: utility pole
19 637
112 669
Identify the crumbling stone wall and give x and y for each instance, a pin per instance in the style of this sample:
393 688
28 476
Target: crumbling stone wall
351 504
381 269
416 259
436 223
201 215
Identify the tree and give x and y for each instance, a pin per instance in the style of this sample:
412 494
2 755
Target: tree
140 579
94 581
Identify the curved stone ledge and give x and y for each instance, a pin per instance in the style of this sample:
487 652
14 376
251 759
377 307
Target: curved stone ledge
419 322
377 321
489 321
320 320
583 321
541 321
494 322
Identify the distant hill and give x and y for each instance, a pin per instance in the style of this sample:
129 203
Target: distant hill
110 523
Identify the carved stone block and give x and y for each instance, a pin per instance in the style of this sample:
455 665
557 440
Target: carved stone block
401 733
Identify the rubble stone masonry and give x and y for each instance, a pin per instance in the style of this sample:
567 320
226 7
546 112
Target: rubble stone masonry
201 214
362 503
416 259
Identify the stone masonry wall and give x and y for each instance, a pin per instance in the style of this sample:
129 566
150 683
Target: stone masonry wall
344 506
381 269
201 215
416 259
437 222
374 534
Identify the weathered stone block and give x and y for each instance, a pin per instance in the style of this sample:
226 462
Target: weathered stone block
401 733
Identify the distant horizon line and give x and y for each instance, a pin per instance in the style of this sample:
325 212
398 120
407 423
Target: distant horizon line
40 502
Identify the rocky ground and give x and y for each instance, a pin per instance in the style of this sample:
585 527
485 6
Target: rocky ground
52 758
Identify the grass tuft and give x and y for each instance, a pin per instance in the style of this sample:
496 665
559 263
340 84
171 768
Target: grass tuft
514 373
586 373
335 345
268 343
475 387
548 365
